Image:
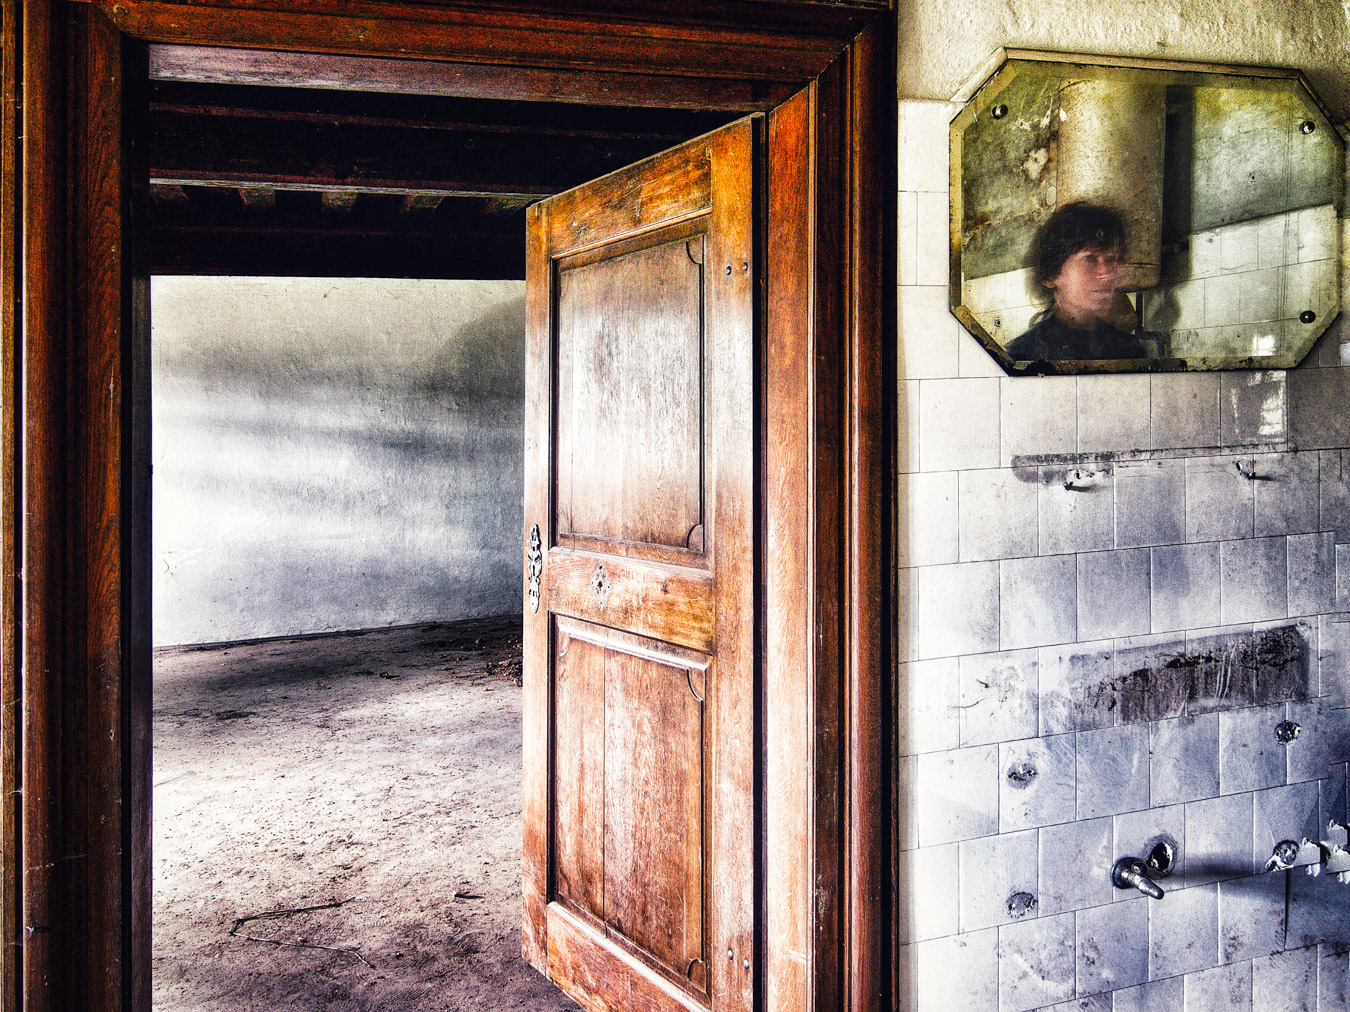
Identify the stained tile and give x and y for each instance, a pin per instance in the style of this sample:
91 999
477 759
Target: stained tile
1000 697
1184 932
1252 408
929 891
906 425
1186 587
997 512
1075 863
1324 739
1285 981
1039 416
956 794
958 424
1319 910
1220 989
1113 771
1251 916
1114 412
1037 780
1249 756
958 973
1334 655
1316 420
1038 601
1113 594
1333 491
1312 573
1185 759
1091 1003
1156 996
1255 580
1137 833
929 692
1218 835
1036 963
926 521
1142 695
998 883
1150 502
1112 946
1077 687
1333 978
1285 492
958 609
1185 409
1287 813
1076 506
1334 795
1220 501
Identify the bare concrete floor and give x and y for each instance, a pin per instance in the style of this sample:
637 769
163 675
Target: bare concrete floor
376 776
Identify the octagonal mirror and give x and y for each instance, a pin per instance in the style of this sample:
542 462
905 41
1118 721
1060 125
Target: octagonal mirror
1125 215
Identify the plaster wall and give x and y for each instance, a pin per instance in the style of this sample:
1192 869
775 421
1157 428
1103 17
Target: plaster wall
334 454
1084 564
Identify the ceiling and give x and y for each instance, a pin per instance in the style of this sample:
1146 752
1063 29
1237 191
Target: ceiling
248 180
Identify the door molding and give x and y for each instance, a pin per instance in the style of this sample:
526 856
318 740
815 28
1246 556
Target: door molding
74 417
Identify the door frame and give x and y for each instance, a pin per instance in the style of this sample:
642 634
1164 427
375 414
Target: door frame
74 418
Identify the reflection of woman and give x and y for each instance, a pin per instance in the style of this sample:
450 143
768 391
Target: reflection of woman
1078 260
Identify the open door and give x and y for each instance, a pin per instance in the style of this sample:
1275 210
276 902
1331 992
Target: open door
640 519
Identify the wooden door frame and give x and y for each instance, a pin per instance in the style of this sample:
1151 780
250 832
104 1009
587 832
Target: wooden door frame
74 418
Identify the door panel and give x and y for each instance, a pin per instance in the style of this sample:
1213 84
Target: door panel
639 662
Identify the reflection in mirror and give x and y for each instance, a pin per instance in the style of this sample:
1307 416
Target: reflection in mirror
1109 217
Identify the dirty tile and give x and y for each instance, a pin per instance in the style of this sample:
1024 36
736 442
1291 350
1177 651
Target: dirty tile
906 786
1075 862
1333 636
1114 412
1333 978
906 426
1091 1003
1251 917
1077 687
1157 996
927 332
1036 963
1218 839
1255 580
1316 420
1186 587
958 424
1036 783
1285 490
1076 506
1112 946
1220 501
923 152
1185 409
1249 756
1343 577
1137 833
1038 601
1039 417
1000 697
1185 759
1150 502
1220 989
1147 683
958 609
997 514
906 239
973 359
907 614
1319 910
1287 813
1323 739
1333 492
930 712
1312 573
1334 796
932 240
998 880
926 519
958 973
1285 981
1113 771
956 794
929 891
1113 594
1183 932
1252 408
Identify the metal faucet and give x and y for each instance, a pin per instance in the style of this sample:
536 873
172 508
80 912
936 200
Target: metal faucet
1129 873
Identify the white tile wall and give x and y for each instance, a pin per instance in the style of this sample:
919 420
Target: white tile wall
1051 629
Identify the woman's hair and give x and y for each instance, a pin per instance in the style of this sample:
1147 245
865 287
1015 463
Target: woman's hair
1073 227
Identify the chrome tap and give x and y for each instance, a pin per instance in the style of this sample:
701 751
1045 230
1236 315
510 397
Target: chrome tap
1129 873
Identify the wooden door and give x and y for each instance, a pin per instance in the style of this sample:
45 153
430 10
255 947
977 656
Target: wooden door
639 810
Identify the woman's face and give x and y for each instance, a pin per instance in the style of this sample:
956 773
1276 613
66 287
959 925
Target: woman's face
1085 286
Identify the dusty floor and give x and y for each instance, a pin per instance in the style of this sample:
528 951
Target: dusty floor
379 772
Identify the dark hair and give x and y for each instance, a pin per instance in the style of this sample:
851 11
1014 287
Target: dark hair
1071 228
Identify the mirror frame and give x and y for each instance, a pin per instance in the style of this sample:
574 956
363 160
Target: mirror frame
979 94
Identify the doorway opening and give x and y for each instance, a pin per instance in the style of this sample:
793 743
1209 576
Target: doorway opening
338 355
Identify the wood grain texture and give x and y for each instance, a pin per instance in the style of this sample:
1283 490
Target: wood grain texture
578 828
219 65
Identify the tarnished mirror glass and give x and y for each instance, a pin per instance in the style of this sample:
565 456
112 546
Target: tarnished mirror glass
1113 218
